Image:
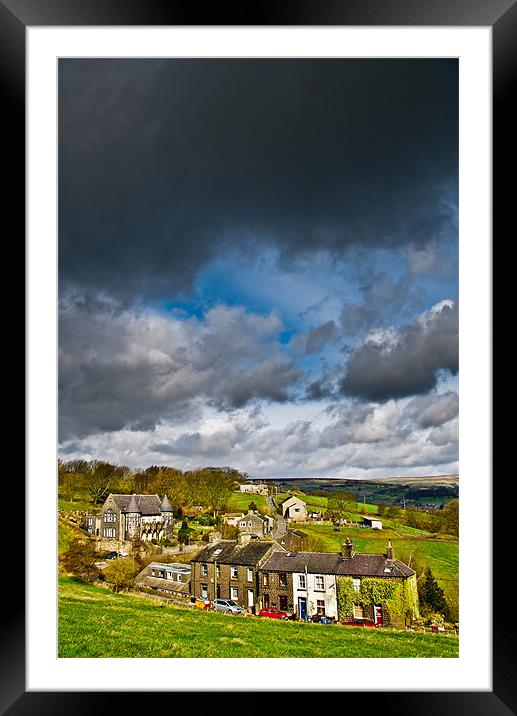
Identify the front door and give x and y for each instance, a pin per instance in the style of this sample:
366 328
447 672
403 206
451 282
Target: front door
302 607
266 601
377 611
250 598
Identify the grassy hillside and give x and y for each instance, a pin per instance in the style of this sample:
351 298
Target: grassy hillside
94 622
239 502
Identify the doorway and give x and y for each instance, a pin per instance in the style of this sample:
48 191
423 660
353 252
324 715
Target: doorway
302 607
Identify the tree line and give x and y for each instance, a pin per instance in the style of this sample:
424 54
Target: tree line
209 487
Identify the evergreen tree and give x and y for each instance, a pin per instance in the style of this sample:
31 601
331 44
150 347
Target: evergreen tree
432 595
184 533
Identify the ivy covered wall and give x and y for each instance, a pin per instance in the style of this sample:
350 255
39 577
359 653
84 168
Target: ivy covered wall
398 597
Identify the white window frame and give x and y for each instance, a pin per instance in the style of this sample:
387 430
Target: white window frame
302 581
250 575
234 593
319 579
357 584
233 572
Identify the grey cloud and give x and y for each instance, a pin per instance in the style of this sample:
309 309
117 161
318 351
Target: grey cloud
395 365
360 438
434 410
133 369
313 340
384 300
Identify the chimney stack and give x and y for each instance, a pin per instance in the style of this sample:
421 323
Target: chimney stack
348 548
389 550
244 537
214 536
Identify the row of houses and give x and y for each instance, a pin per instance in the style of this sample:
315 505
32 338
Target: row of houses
258 574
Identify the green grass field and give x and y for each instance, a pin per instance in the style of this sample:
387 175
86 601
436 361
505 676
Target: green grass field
239 502
95 623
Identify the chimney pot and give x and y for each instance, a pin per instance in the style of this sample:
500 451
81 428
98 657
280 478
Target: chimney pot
348 548
389 550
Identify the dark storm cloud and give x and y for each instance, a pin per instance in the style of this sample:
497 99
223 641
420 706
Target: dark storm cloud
396 365
163 164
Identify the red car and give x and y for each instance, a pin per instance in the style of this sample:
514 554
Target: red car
273 613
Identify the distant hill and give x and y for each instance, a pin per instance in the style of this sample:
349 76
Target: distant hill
427 480
432 490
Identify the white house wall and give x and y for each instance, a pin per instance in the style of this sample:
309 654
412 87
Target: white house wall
329 593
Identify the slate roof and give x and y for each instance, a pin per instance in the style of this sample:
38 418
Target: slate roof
147 504
360 565
231 552
165 584
166 505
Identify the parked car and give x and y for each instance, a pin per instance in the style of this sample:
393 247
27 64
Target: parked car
273 613
111 555
227 605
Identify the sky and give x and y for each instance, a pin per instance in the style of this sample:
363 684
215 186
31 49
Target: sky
258 264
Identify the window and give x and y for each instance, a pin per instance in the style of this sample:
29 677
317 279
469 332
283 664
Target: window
302 582
358 611
109 516
233 572
265 580
217 570
282 579
204 590
357 584
109 532
319 582
234 593
204 570
320 606
282 602
250 575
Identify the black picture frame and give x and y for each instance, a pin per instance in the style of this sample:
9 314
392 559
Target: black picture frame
501 16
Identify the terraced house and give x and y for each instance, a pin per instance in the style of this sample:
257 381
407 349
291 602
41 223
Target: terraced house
230 569
374 588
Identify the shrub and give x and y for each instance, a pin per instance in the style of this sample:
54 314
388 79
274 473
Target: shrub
120 574
79 560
